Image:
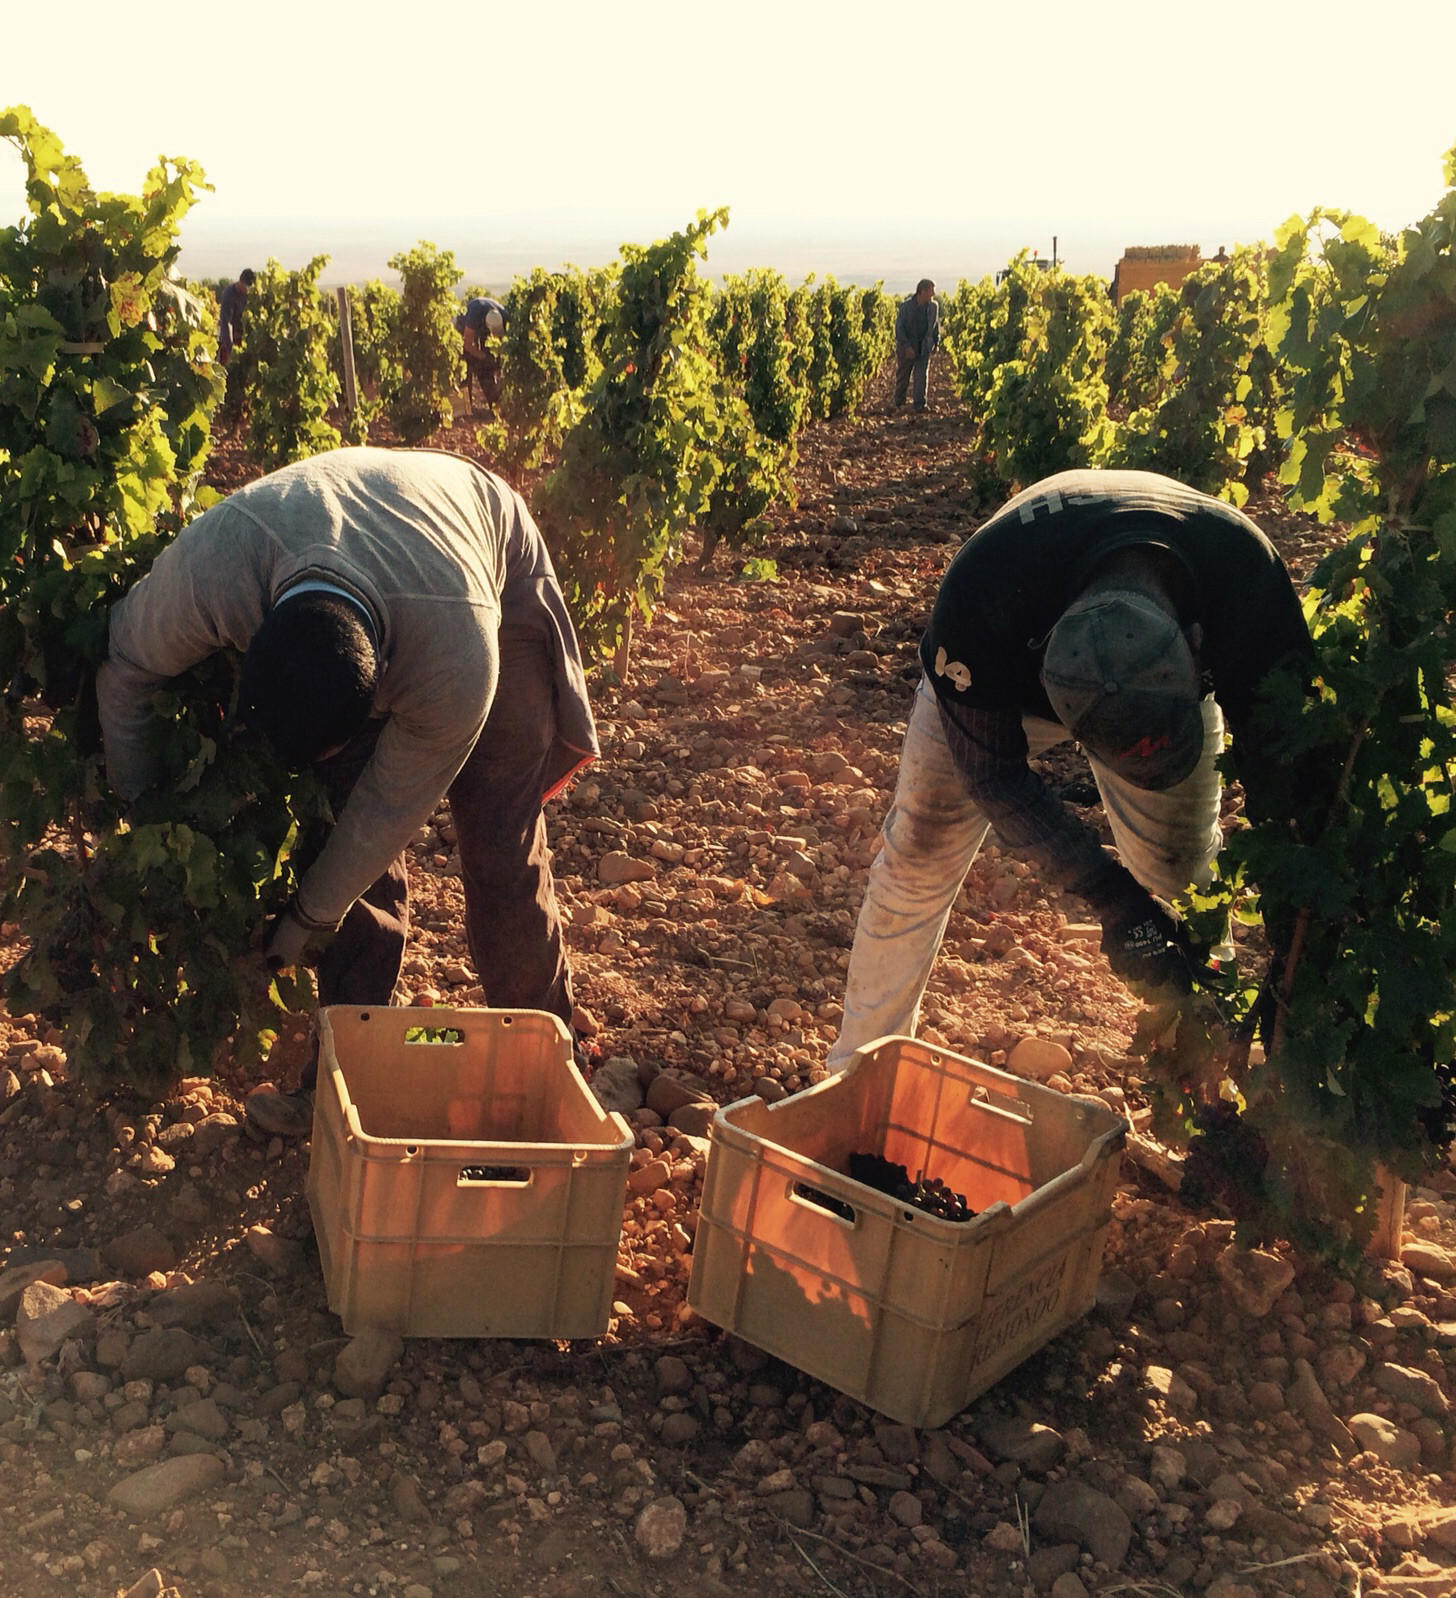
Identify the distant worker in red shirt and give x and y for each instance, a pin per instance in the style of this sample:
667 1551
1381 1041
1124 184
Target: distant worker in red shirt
1118 608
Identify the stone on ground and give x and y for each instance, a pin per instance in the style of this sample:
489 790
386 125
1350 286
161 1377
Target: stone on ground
158 1487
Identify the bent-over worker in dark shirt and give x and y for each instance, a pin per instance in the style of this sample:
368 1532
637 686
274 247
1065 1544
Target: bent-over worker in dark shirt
481 326
1121 609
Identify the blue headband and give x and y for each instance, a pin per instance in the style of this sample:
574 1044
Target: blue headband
317 585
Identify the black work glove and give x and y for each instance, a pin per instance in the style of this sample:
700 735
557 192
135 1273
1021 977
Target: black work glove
1145 942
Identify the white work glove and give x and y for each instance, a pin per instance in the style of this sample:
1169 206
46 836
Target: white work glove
291 935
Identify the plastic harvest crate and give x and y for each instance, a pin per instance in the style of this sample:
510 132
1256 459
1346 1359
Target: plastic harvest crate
910 1313
469 1188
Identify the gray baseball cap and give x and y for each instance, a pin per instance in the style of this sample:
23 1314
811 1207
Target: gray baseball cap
1123 680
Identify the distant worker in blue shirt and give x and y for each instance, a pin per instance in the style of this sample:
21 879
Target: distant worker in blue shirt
482 322
917 335
230 313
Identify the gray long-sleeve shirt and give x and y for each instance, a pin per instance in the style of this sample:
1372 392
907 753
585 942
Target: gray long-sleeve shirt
436 549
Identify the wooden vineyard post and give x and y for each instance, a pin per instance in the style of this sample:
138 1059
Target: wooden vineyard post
622 658
1389 1215
346 343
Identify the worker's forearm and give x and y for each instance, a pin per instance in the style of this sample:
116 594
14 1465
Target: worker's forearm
124 699
989 750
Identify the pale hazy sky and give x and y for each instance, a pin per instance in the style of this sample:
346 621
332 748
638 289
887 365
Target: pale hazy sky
1122 122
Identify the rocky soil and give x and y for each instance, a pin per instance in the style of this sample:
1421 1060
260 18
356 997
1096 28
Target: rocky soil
180 1411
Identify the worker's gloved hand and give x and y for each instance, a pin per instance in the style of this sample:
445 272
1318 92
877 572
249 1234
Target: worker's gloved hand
290 937
1147 944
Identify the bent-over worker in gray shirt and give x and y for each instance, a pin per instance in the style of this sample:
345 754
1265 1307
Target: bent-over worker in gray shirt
403 631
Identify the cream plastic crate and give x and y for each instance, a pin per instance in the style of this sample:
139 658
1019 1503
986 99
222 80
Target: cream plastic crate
914 1315
463 1189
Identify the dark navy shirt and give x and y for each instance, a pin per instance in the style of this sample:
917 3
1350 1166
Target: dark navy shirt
1008 586
478 309
230 313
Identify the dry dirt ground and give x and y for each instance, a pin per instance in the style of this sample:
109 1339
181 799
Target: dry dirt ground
1217 1425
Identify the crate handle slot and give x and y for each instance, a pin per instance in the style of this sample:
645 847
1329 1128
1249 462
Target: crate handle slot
1002 1103
494 1176
451 1036
816 1198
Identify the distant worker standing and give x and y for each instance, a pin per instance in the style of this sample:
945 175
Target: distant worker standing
482 322
230 306
917 335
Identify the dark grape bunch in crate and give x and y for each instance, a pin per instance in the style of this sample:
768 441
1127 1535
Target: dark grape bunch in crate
926 1193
